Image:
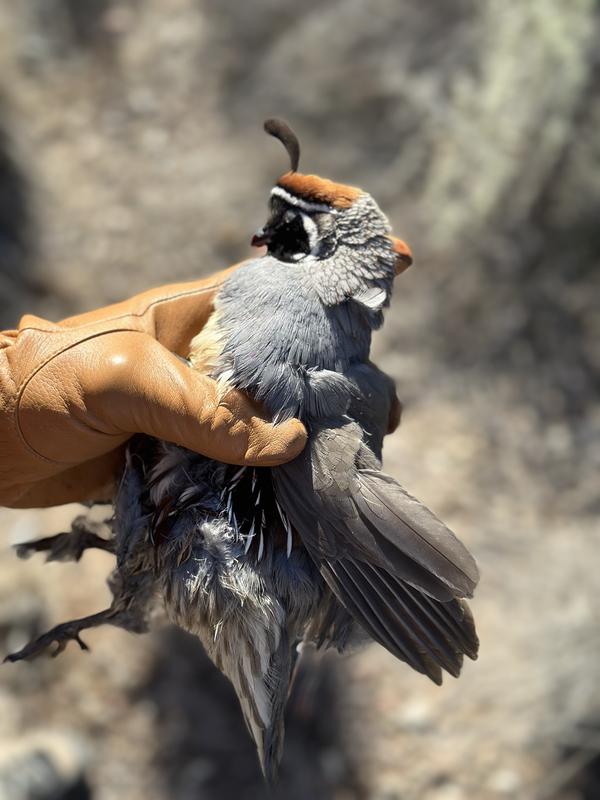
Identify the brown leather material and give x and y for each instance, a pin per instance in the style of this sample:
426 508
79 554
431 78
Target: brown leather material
173 314
72 393
94 481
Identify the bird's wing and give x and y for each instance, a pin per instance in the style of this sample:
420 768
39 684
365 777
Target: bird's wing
374 405
376 546
427 634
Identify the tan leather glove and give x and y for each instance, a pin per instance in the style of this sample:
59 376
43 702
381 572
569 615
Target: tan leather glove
72 393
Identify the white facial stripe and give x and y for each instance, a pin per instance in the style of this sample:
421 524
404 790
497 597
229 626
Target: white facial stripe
312 232
303 204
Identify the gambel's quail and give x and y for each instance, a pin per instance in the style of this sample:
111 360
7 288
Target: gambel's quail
327 548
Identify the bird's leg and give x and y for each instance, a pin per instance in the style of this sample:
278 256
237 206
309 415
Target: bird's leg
132 603
129 610
69 546
61 635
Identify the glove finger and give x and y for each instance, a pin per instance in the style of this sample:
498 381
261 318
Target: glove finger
146 389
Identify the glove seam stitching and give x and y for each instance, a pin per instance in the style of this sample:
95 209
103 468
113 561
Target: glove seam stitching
134 314
21 388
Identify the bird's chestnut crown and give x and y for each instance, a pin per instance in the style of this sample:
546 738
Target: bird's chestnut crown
304 208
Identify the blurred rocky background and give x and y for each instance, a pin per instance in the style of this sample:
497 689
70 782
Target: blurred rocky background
131 153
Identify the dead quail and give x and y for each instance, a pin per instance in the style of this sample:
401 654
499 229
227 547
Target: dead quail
327 548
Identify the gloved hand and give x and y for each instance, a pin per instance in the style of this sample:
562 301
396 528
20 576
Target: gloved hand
71 395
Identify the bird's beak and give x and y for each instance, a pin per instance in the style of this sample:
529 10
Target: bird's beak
404 256
261 237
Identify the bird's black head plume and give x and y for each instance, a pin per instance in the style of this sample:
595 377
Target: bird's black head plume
282 131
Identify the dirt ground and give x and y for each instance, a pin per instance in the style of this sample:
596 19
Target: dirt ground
131 153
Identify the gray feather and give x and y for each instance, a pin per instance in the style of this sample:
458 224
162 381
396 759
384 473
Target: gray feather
340 509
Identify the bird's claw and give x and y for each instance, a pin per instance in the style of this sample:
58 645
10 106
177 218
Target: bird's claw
68 546
61 635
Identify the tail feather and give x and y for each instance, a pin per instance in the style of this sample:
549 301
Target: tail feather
263 696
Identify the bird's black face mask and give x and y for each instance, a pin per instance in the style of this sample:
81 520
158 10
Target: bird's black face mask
286 233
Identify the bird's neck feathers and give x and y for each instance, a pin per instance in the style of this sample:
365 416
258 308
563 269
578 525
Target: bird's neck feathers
361 267
289 332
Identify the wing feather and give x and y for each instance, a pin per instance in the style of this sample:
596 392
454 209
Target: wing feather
340 509
397 569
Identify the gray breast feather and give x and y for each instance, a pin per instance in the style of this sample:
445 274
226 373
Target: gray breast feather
286 348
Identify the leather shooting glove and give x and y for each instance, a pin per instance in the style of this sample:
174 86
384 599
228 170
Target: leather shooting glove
72 394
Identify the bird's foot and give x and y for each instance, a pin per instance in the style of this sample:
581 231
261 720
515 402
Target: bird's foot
69 546
61 635
130 610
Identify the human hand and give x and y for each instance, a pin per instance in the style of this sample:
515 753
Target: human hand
73 393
